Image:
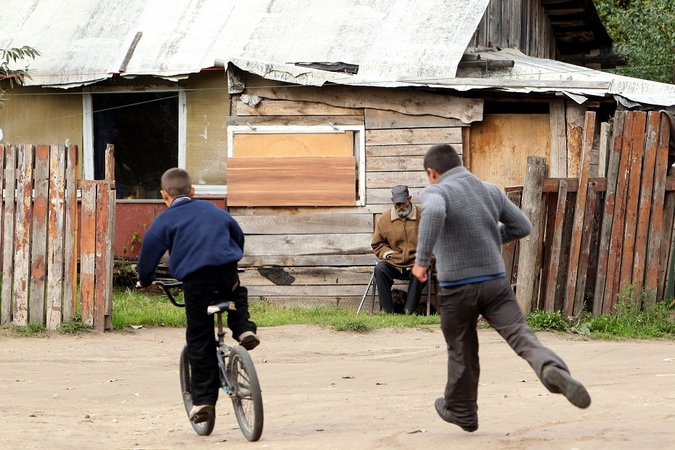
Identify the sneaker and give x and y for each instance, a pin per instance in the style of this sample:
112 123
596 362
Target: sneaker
249 340
200 413
561 381
447 416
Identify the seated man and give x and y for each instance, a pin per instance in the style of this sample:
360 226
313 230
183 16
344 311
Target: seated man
394 243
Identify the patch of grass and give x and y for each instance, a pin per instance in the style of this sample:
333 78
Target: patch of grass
74 326
134 307
654 321
32 329
547 321
340 319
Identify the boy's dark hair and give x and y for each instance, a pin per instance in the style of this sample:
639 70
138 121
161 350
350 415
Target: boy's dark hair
176 182
441 158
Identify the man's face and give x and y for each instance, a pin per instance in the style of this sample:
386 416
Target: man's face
401 207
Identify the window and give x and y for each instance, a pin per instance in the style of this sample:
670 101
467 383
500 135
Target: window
146 129
296 166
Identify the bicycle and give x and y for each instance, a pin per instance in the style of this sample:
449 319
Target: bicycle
238 377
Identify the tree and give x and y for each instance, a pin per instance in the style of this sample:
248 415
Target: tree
14 77
643 30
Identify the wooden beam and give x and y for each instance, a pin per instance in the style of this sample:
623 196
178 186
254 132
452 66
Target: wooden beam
618 223
570 299
552 285
645 201
22 242
558 139
55 243
655 268
608 213
9 210
633 197
406 101
529 258
40 213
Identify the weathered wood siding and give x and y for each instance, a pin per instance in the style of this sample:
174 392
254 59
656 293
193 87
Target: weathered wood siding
517 23
322 255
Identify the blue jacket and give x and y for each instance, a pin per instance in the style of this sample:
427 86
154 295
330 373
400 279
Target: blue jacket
196 233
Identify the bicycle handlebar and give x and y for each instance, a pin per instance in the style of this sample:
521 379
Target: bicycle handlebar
166 287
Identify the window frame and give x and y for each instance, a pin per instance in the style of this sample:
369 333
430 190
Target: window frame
88 121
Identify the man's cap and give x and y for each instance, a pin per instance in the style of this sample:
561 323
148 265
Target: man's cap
400 194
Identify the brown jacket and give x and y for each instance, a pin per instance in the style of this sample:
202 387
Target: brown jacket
397 237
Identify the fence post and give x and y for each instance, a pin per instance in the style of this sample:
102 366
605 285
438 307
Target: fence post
9 209
529 257
24 197
38 269
70 241
55 243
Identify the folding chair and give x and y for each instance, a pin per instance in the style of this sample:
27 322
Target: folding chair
365 294
431 275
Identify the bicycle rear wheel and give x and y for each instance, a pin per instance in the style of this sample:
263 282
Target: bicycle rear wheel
247 398
203 428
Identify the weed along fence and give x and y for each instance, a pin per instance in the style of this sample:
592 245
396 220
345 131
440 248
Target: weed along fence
39 237
602 235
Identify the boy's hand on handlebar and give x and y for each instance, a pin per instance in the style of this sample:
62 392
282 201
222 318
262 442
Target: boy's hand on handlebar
151 287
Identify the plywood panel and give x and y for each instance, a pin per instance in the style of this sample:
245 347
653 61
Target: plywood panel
499 146
293 145
291 181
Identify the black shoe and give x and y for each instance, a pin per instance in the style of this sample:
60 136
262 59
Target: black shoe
447 416
249 340
201 413
574 391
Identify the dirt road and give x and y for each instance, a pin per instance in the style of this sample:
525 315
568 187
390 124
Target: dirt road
331 390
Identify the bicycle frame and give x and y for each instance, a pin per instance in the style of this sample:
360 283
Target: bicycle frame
222 348
238 378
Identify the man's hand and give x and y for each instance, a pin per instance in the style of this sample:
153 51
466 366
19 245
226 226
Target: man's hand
420 272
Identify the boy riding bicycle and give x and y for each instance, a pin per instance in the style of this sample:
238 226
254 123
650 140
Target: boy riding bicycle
205 244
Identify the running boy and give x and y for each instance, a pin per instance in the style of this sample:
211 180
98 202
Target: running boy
465 223
205 244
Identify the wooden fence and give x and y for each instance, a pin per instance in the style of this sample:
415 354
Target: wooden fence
39 238
593 238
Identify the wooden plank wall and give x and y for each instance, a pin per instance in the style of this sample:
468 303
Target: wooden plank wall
39 237
620 227
516 23
322 255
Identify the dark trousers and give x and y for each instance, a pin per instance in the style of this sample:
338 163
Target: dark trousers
385 274
459 309
201 289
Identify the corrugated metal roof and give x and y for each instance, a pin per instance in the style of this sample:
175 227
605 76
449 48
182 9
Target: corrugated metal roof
85 41
393 43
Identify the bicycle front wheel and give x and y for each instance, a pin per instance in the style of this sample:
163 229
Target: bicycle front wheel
202 428
246 398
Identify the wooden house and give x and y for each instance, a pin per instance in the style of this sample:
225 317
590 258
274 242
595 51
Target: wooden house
299 117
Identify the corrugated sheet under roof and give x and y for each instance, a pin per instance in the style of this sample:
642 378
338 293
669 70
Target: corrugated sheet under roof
530 74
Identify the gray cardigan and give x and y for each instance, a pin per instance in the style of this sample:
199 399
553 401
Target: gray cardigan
461 226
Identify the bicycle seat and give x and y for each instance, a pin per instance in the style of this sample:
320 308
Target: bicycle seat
223 306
